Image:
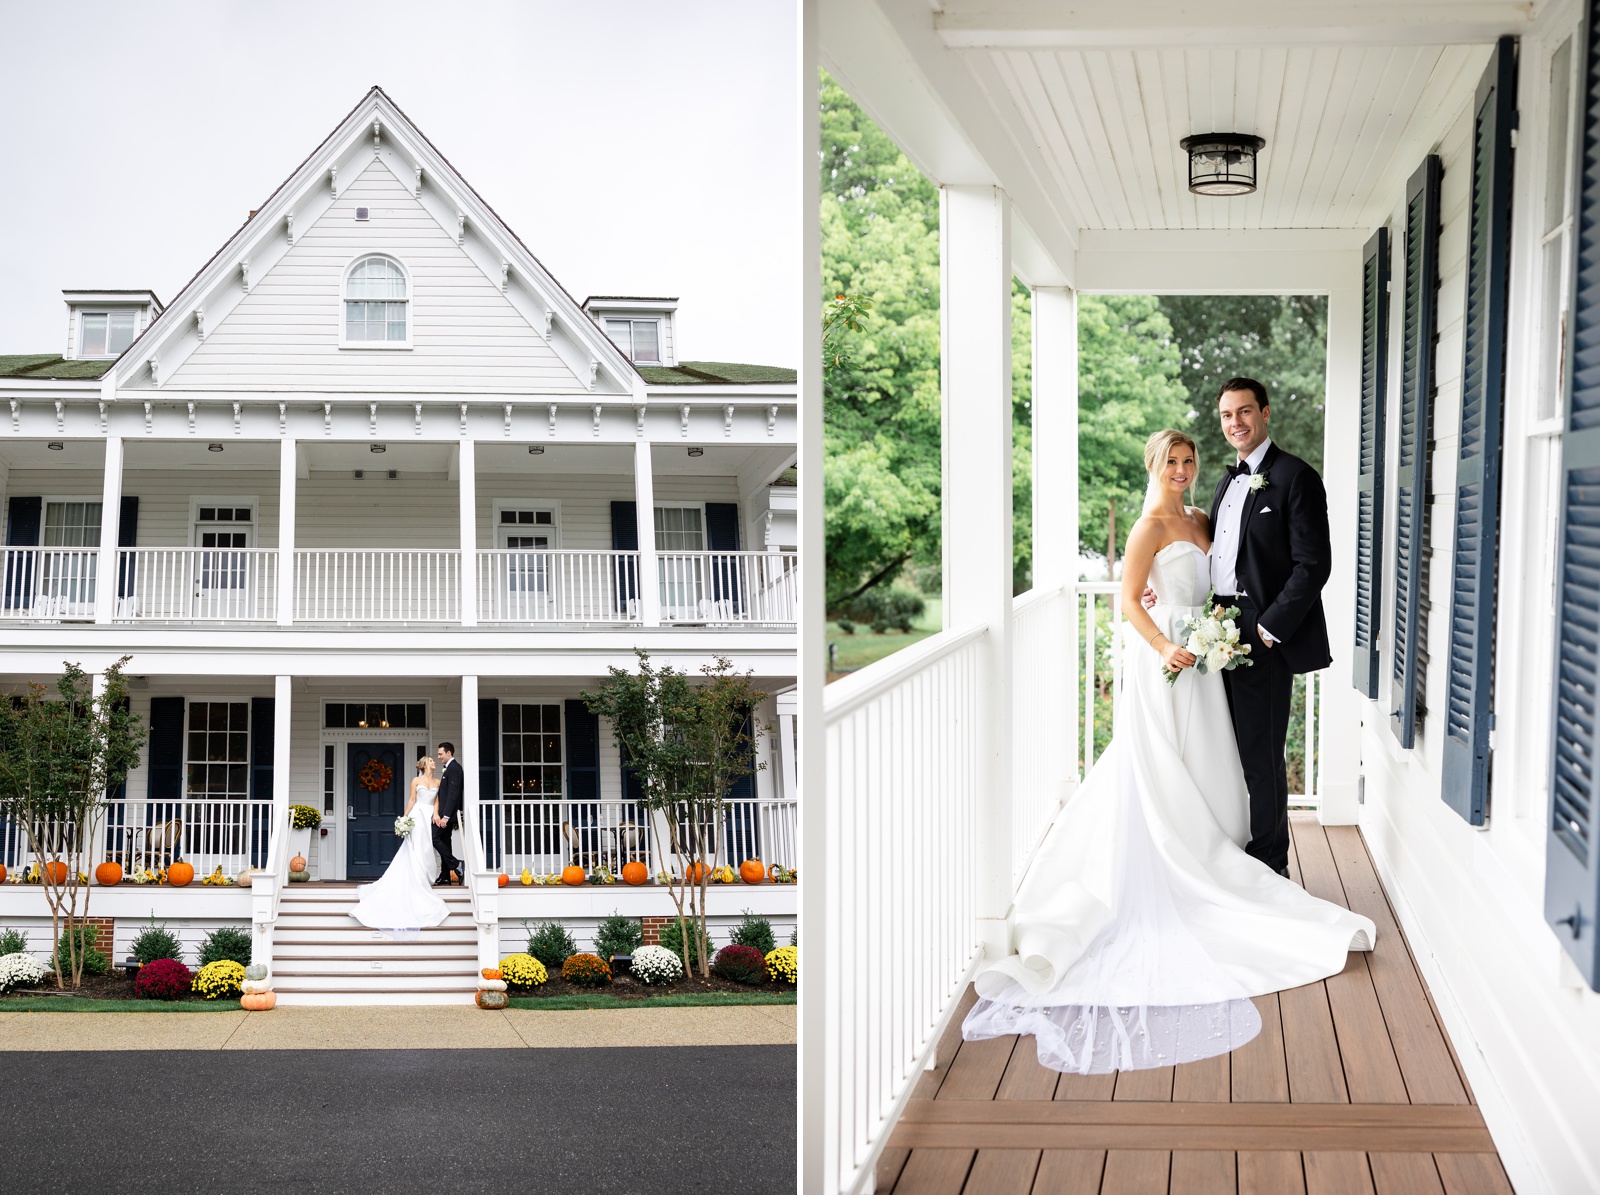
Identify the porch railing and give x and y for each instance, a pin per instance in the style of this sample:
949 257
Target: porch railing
197 585
728 587
147 835
1040 713
558 586
377 585
48 583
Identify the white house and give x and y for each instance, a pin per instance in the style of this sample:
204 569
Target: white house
1431 167
371 481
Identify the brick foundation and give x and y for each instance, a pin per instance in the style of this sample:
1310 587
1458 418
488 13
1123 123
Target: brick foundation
653 927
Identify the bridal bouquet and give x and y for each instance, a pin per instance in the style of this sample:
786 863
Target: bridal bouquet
404 826
1213 639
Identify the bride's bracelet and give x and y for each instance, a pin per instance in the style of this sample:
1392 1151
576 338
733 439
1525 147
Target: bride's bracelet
1152 640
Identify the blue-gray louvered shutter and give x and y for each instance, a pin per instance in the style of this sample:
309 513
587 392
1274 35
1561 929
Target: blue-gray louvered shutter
165 770
625 538
583 773
743 821
489 823
722 535
1572 860
1469 677
1418 333
127 537
1372 465
263 736
23 517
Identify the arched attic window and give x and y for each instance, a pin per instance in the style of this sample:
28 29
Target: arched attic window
377 304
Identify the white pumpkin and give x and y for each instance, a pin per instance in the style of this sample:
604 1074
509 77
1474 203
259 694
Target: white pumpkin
491 985
258 985
243 878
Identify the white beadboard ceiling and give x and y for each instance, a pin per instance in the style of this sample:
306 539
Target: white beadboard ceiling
1344 126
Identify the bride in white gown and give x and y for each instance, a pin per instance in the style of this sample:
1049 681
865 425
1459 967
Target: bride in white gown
402 901
1142 928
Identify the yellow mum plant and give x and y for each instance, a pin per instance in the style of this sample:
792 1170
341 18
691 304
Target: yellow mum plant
522 971
784 963
221 978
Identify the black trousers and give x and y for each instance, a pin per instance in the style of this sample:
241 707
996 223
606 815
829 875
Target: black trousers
1258 700
441 843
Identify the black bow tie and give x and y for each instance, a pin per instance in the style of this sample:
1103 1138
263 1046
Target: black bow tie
1242 469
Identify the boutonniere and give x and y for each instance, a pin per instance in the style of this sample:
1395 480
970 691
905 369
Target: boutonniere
1258 482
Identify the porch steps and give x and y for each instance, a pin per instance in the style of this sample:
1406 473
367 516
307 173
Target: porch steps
323 955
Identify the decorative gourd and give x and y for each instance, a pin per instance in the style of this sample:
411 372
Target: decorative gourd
2 873
57 871
635 873
574 875
298 863
491 999
695 872
491 985
258 1001
180 873
526 877
502 880
455 878
245 877
751 871
256 985
492 973
256 971
108 873
299 877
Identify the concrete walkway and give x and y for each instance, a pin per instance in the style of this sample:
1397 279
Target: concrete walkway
364 1027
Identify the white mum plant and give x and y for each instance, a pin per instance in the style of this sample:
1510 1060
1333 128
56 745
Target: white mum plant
20 970
656 964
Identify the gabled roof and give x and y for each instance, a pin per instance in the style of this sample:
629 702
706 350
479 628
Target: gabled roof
376 124
700 373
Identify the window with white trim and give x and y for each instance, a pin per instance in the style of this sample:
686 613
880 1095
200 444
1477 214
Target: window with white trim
680 529
639 338
377 307
105 333
219 749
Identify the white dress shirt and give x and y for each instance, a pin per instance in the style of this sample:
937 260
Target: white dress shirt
1225 535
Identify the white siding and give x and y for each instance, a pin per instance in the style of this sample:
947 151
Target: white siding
514 933
466 336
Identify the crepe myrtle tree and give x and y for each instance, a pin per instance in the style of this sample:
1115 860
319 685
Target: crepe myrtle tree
688 742
58 757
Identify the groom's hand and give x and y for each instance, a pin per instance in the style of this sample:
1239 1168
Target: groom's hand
1266 636
1149 598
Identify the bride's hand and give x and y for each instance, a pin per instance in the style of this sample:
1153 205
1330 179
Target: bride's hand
1174 657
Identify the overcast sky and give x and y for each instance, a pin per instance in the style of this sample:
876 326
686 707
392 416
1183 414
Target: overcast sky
650 150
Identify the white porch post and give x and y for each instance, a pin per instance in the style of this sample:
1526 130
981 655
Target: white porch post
264 885
469 538
105 585
1339 706
288 473
644 498
1055 492
467 749
975 334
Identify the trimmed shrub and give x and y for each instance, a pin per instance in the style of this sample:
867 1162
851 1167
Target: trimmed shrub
672 938
586 971
226 942
895 609
550 943
156 941
221 978
13 941
164 979
619 935
755 932
95 961
656 964
522 972
742 964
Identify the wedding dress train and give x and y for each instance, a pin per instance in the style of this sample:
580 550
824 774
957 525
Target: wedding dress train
402 901
1142 928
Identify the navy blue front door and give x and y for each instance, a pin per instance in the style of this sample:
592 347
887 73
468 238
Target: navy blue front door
370 820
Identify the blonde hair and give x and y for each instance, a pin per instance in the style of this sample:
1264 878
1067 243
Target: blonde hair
1156 450
424 762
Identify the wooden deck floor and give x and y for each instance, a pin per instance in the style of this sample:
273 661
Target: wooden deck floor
1352 1086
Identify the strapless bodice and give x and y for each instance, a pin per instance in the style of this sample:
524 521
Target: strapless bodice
1181 574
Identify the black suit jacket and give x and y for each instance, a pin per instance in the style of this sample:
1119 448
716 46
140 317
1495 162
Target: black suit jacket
452 790
1285 556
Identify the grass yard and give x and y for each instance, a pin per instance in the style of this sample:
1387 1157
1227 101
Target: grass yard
93 1004
864 647
589 1000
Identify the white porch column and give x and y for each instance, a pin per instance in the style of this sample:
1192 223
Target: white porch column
1339 706
1055 491
288 475
469 536
467 752
975 334
644 498
105 585
264 885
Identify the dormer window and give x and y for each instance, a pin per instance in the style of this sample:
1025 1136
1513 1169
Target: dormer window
639 338
377 305
106 333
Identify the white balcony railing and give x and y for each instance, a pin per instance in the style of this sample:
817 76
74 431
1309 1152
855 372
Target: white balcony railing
197 585
1041 771
48 583
558 586
728 587
205 832
377 585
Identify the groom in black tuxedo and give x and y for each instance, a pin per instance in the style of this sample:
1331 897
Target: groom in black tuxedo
447 813
1270 556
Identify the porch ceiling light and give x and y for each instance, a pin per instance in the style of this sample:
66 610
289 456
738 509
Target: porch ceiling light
535 449
697 452
377 448
55 446
213 447
1222 163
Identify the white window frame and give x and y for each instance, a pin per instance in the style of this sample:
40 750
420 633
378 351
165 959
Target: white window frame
81 587
661 356
700 506
108 312
196 502
344 286
501 505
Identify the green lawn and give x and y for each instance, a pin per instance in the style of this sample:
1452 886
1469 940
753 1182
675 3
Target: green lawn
92 1004
864 647
683 1000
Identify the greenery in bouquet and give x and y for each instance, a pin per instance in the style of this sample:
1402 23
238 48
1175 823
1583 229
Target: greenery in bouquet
156 941
550 943
656 965
221 978
304 817
164 979
586 971
1213 639
741 964
783 965
523 972
21 970
226 942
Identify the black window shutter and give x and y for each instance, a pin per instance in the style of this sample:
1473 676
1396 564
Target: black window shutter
23 516
722 535
166 749
1370 475
625 538
1416 400
263 729
488 749
127 537
1470 673
583 752
1572 862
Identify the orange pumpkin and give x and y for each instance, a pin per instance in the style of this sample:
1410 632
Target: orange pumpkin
492 973
751 871
298 863
454 878
108 873
574 875
635 873
57 871
258 1001
2 873
180 873
491 1000
695 872
503 880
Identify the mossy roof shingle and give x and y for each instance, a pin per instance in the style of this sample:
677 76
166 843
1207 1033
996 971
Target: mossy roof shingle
700 373
50 365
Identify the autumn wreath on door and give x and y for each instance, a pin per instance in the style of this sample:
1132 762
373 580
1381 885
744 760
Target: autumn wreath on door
376 777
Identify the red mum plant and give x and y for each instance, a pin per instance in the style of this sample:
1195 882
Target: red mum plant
164 979
742 964
586 971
